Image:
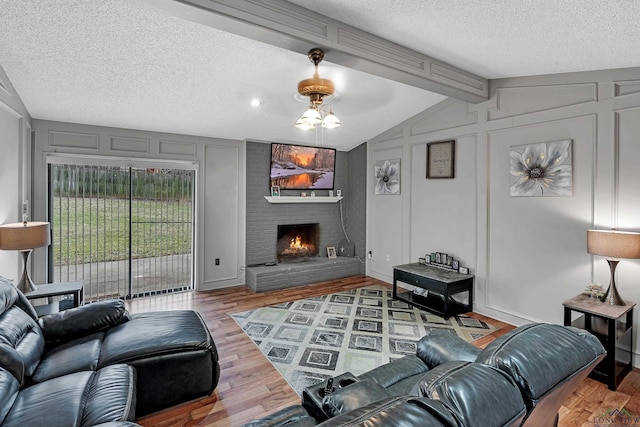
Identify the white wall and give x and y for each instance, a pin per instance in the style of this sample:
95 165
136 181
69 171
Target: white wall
15 168
528 253
220 176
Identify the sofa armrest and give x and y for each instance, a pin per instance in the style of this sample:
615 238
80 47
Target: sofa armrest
354 396
80 321
290 416
398 411
442 346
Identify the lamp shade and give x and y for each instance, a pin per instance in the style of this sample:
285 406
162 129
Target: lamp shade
331 121
24 235
613 243
311 116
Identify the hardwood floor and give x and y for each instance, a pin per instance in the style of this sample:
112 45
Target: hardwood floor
250 387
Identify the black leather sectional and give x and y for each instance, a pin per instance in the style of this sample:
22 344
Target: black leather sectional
520 379
97 363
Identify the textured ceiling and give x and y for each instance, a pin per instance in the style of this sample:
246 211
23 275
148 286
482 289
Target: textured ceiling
502 38
121 63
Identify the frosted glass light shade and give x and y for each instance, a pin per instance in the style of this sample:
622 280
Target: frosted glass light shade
331 121
311 117
302 125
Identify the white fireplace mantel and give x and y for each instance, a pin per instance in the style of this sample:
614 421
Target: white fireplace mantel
299 199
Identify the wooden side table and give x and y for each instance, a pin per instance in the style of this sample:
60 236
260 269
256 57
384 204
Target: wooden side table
76 289
613 325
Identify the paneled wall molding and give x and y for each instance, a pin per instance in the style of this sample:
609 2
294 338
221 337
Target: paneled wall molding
173 148
73 140
4 87
295 28
525 247
540 98
626 159
504 209
129 145
627 88
220 168
451 116
10 100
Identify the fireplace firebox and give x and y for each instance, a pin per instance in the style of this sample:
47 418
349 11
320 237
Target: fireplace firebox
297 241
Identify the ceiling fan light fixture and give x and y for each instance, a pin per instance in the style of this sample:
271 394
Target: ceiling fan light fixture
316 88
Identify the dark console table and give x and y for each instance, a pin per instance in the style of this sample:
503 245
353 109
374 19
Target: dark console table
613 325
440 283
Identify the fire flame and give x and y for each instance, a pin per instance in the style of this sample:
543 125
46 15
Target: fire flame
297 243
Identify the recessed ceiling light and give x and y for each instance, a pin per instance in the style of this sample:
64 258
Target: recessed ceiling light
255 102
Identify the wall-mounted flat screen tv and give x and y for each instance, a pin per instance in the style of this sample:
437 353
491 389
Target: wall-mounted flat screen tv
298 167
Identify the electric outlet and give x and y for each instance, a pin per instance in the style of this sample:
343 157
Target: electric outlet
386 257
370 255
217 261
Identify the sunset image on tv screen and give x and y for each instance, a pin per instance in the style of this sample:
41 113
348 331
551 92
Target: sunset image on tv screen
296 167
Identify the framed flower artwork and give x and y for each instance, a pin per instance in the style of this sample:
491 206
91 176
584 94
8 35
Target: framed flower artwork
543 169
387 174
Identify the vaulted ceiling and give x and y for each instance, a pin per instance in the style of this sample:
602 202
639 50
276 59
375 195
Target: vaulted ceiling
194 66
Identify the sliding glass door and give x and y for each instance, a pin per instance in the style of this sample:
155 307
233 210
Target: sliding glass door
126 231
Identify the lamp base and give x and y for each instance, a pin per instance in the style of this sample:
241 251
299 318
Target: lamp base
26 284
611 297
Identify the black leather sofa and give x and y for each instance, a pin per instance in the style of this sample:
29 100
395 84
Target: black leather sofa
520 379
97 363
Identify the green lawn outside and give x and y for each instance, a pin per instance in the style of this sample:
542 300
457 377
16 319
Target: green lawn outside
91 230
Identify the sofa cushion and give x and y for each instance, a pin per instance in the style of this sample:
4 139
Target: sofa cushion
441 346
80 399
155 334
479 395
540 356
111 396
81 354
354 396
397 371
80 321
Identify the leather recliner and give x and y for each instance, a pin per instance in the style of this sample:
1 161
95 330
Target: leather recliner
546 361
520 379
171 353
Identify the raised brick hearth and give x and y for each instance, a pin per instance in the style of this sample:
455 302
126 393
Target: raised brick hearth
311 270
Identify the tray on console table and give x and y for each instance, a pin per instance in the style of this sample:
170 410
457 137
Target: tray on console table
442 285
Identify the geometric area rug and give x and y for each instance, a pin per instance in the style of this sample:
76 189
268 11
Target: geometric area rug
315 338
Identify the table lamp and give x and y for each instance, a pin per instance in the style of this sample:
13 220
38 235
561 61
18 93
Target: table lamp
613 244
24 237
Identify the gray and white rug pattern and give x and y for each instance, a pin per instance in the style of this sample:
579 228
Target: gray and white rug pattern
312 339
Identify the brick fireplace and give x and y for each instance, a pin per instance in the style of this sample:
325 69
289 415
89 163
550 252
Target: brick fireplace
297 241
265 269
